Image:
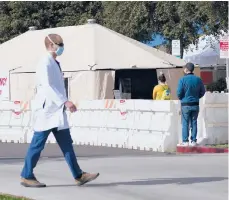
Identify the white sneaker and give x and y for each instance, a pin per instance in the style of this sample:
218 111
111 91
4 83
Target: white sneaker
183 144
193 144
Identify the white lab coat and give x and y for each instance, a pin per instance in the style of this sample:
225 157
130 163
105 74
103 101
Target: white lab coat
48 105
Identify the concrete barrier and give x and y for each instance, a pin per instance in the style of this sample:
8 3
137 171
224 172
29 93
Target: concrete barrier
214 122
133 124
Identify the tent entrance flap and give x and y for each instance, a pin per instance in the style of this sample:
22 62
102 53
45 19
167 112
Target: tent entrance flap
136 83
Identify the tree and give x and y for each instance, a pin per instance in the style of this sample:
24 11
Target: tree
184 20
129 18
138 20
17 17
77 12
177 20
215 16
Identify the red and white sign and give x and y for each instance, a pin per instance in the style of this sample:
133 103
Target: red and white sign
4 85
224 47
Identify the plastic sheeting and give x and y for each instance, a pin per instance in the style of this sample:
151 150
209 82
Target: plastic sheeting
206 53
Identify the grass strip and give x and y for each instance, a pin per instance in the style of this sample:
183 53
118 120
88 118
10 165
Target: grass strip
11 197
219 146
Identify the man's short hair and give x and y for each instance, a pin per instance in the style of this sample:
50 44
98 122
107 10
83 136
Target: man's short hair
54 37
190 67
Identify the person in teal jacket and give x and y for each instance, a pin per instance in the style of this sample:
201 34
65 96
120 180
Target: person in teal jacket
189 91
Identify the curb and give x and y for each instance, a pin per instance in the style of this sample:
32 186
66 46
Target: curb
201 149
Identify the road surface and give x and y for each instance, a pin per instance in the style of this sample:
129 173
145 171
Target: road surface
125 175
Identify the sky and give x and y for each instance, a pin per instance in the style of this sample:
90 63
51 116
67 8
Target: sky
157 40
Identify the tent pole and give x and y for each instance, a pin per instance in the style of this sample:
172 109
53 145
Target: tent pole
227 72
9 74
9 81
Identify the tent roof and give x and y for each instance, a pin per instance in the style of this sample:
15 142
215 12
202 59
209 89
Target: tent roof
89 46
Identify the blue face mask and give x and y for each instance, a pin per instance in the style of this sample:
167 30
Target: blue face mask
59 51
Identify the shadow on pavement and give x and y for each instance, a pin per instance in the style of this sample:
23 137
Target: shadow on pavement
162 181
13 150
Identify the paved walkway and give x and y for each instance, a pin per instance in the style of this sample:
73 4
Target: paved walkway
128 176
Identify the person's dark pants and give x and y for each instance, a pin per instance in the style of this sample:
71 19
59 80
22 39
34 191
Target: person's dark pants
189 116
63 139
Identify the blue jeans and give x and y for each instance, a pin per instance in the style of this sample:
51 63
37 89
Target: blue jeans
189 117
63 139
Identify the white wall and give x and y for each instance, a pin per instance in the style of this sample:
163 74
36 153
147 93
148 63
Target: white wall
137 124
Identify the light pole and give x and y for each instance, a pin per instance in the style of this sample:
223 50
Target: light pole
10 81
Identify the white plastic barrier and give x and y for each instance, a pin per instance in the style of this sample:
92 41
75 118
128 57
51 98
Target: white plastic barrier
14 121
134 124
215 118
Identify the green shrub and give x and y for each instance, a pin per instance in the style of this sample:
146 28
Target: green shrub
219 85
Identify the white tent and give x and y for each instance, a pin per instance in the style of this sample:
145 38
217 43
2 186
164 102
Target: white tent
206 53
86 46
91 54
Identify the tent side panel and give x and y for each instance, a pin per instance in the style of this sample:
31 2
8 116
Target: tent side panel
91 85
82 86
105 84
173 76
22 86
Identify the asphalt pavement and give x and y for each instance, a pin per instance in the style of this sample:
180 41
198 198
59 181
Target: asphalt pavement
125 174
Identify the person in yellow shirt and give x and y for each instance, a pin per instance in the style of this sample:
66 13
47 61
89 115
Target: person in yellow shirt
162 90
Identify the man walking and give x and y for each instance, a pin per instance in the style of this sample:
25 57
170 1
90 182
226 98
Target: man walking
49 116
190 89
